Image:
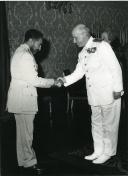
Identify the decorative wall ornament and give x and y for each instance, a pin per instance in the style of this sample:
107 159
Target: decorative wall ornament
62 6
57 27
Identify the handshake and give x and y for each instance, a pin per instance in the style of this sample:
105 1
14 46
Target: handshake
59 82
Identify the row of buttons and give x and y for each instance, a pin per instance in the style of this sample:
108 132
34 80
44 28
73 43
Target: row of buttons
87 72
88 79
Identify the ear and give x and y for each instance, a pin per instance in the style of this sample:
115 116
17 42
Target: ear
31 41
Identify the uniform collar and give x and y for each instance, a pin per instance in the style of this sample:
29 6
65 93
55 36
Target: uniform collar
89 43
26 47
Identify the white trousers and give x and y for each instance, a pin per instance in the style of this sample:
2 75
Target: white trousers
24 136
105 124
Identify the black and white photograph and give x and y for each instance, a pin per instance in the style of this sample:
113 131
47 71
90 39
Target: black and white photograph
63 88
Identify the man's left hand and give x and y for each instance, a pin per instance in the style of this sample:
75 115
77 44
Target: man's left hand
116 95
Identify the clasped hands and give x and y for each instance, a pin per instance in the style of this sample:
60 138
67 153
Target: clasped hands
59 82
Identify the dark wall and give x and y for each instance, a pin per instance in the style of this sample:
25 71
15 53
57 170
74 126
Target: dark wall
60 53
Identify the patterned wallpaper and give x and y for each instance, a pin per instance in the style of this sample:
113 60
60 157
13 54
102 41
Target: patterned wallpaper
60 52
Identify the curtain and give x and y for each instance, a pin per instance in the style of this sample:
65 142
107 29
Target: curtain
4 58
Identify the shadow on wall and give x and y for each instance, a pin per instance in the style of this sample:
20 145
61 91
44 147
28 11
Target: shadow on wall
42 55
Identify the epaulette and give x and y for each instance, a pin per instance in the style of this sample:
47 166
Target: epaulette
97 40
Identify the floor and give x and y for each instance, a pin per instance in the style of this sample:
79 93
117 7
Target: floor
61 141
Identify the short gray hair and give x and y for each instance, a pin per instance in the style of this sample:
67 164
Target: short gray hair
82 28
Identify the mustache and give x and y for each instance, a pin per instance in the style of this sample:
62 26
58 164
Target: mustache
34 50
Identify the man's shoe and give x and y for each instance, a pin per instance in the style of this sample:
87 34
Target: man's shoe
34 170
91 157
102 159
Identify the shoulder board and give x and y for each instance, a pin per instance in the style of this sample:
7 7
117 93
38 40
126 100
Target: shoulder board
97 40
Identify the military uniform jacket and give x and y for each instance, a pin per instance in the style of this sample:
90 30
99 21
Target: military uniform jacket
99 64
22 94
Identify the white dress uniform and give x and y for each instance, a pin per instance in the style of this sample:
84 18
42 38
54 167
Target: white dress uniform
22 101
99 64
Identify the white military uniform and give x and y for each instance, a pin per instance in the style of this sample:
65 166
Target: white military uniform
99 64
22 101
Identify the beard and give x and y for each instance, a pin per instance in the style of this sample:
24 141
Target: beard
34 51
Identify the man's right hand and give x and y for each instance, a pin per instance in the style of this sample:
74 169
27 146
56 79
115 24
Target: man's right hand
61 80
58 83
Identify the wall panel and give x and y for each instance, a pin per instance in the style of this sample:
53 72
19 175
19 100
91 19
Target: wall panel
57 27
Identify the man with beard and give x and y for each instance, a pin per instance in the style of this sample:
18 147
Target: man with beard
22 96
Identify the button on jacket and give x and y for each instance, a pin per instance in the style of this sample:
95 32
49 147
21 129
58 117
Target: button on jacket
99 64
22 94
